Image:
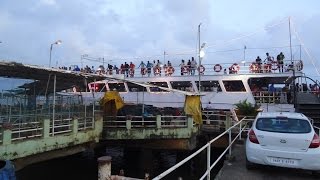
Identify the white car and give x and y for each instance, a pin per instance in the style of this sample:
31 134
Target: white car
283 139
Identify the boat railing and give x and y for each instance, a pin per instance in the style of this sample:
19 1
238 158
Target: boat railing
239 67
238 127
270 97
159 121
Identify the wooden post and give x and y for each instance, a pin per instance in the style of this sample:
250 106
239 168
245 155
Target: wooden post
46 128
104 168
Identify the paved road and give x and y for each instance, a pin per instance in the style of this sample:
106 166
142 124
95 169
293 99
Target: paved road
236 170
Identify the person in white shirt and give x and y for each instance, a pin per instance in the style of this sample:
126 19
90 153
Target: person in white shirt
193 66
182 66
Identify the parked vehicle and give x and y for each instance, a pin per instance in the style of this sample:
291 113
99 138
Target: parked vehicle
283 139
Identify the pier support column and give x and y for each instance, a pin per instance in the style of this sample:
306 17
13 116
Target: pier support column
104 167
46 128
75 124
7 137
158 119
189 122
128 124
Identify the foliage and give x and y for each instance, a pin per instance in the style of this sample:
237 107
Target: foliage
246 108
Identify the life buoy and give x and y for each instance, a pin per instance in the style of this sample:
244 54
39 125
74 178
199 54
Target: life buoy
131 72
201 69
274 65
185 69
170 70
253 67
217 68
300 65
157 70
235 67
143 71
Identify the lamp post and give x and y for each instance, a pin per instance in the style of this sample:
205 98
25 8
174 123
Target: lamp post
57 43
201 55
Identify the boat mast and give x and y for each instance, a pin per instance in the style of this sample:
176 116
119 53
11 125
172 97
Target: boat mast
293 70
199 56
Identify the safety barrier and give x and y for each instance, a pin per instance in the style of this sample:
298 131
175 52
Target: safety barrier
33 126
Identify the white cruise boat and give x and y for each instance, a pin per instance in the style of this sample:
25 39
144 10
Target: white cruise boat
220 89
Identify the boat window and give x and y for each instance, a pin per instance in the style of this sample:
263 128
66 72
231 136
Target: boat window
156 89
234 86
209 86
117 87
136 88
182 85
98 87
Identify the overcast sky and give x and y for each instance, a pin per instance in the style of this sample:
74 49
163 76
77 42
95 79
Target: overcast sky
122 30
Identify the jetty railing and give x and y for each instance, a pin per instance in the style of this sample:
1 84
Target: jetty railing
27 126
240 125
129 122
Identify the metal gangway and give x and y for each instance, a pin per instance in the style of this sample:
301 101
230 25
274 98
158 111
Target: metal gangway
238 127
234 133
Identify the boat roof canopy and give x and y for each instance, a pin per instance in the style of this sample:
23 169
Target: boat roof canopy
40 75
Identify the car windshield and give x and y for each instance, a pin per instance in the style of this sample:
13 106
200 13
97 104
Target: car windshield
283 125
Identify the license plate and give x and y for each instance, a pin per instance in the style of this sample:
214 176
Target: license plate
283 161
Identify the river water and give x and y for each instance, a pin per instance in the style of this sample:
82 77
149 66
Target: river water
134 162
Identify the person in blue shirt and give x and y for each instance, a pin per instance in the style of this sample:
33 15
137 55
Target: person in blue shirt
271 89
149 67
142 66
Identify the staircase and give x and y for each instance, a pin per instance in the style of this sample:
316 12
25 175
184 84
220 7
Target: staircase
309 105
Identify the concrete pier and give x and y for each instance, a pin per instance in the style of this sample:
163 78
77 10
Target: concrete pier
236 170
104 167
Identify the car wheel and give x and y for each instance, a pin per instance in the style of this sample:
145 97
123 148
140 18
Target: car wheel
249 165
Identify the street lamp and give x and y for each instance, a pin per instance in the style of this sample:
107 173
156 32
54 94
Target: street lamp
57 43
201 55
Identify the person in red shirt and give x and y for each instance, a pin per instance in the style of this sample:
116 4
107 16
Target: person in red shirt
122 68
132 66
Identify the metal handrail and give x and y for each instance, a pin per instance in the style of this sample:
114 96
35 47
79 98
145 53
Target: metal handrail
139 121
245 68
208 147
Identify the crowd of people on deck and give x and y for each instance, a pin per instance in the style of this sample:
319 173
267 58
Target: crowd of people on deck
270 64
146 69
189 67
